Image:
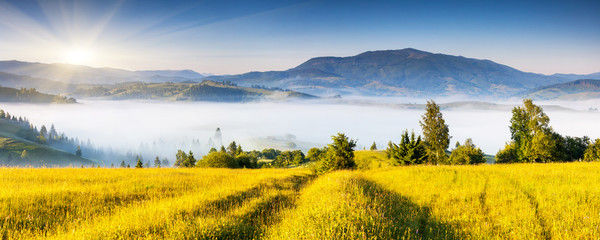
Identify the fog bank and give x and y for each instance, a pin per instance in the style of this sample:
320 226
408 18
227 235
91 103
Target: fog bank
160 128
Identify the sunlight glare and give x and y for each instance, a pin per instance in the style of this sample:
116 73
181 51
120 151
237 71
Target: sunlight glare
79 56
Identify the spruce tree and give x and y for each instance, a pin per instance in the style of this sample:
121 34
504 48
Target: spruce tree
157 162
165 163
78 151
339 155
139 163
373 147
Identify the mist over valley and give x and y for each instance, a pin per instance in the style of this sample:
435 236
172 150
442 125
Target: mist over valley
157 128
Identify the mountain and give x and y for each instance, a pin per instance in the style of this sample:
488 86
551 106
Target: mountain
581 89
41 84
76 74
205 91
31 96
578 76
189 74
408 72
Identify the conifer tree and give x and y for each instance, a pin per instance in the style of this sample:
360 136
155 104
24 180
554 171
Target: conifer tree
373 147
139 163
78 151
410 150
157 162
165 163
339 155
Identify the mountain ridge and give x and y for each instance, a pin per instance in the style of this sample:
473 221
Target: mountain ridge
407 72
574 90
400 72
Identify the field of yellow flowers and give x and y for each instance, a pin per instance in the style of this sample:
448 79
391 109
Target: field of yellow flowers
520 201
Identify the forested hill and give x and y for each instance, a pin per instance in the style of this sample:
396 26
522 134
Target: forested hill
21 144
399 72
205 91
31 96
581 89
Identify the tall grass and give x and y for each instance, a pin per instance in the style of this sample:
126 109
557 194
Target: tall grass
521 201
132 203
525 201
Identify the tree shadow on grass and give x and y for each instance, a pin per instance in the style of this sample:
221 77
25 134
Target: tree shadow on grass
401 217
264 211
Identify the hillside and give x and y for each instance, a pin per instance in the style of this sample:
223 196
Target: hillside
41 84
18 147
407 72
205 91
76 74
576 90
31 96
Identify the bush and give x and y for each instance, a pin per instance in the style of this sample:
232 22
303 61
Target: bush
467 153
218 160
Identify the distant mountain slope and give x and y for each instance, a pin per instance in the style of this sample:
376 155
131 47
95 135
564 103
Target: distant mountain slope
578 76
576 90
31 96
41 84
205 91
189 74
400 72
76 74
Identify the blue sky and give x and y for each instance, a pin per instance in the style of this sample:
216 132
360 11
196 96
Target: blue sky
228 37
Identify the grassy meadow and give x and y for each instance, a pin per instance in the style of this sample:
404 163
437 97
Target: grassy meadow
518 201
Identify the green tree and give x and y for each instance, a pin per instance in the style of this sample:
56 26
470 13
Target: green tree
2 114
212 150
44 132
467 153
180 157
435 134
339 155
289 158
592 153
246 160
123 165
232 148
373 147
410 150
147 164
139 163
157 162
270 153
315 154
218 160
531 136
189 160
78 151
569 149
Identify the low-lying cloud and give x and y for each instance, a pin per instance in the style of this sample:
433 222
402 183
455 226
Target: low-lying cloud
160 128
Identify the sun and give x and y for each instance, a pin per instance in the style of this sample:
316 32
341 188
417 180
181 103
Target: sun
79 56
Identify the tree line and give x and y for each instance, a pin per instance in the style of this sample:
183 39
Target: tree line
532 140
